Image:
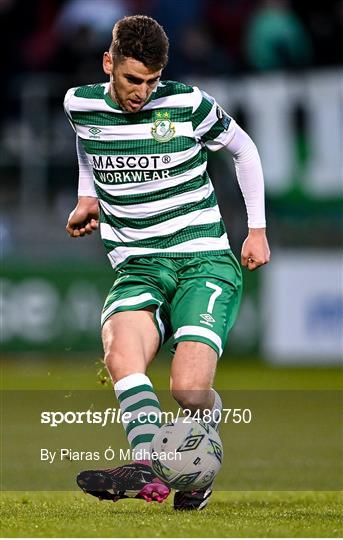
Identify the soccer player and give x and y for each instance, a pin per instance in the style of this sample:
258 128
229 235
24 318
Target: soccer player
142 147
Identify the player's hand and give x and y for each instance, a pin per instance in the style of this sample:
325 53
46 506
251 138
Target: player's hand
255 249
84 219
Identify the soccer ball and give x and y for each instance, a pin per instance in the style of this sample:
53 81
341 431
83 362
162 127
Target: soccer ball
186 454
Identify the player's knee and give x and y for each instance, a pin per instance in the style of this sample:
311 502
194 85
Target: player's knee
191 399
116 365
119 364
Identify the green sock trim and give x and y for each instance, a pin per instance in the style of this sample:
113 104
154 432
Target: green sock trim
141 439
135 390
143 403
136 423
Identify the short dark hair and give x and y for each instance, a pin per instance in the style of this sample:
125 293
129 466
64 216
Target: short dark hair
142 38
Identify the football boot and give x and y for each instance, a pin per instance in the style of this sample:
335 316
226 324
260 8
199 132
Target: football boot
135 480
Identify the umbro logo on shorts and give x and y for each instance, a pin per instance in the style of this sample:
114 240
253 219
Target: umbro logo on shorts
207 319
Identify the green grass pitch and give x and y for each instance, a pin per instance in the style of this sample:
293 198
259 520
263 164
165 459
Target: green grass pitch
249 514
239 513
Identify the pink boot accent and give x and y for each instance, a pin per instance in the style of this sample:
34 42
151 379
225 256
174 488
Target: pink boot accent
156 491
143 462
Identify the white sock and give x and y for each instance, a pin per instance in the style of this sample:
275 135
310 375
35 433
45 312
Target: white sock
136 396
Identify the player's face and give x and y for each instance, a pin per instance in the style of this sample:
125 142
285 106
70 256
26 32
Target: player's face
131 82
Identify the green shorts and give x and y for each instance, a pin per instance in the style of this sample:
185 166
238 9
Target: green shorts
196 298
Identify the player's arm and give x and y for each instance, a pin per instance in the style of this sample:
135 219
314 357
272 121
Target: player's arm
84 218
255 249
217 130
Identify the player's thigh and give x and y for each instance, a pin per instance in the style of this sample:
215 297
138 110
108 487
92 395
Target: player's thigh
134 321
142 284
207 301
130 340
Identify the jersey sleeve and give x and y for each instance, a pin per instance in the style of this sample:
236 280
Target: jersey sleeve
211 124
66 104
249 175
86 183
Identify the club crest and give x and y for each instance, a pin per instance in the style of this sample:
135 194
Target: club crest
163 129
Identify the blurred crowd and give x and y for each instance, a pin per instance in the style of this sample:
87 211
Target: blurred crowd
60 43
208 37
49 46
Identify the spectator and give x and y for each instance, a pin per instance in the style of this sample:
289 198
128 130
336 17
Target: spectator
276 38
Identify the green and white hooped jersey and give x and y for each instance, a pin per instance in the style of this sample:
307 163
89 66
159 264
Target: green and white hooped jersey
149 170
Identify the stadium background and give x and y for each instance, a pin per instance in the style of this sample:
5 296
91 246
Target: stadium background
276 66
